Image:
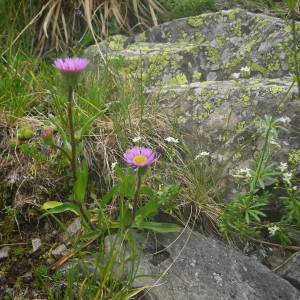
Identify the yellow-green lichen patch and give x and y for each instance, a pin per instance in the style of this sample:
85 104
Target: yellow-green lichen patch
240 126
246 99
117 42
158 64
249 46
199 38
213 54
232 14
236 28
256 67
195 21
208 107
196 76
288 28
142 37
275 89
294 158
179 79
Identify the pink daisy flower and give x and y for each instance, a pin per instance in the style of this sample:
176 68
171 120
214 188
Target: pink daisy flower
139 156
71 65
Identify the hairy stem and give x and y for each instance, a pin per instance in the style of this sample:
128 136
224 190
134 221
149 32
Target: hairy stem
71 132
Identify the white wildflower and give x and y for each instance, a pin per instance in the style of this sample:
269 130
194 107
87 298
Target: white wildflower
295 188
246 172
136 139
113 165
284 120
287 177
170 139
245 69
202 154
236 75
274 142
273 229
283 166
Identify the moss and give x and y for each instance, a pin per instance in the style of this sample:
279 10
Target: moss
195 21
179 79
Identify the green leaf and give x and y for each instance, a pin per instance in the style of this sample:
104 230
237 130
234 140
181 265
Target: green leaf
90 236
108 196
59 208
81 182
51 204
158 227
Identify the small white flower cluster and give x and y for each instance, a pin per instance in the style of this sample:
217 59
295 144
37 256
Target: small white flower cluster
113 165
245 69
170 139
244 72
246 172
201 154
236 75
273 229
287 177
284 120
283 166
136 139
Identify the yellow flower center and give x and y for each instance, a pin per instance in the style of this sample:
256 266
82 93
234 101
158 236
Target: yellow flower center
140 159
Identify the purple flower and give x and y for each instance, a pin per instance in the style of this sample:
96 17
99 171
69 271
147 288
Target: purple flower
71 65
139 156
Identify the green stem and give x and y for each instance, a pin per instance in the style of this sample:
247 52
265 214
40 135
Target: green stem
136 196
63 151
266 142
71 132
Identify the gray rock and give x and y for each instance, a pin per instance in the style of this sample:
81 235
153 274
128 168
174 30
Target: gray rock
188 65
290 269
60 251
192 266
36 244
4 252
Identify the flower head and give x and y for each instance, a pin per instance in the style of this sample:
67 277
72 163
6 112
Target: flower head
236 75
170 139
139 156
245 69
201 154
283 166
137 139
273 229
286 177
47 136
71 65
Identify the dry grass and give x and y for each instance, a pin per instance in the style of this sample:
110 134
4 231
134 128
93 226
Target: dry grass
58 23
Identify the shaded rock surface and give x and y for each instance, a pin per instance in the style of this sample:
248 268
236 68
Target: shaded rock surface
193 266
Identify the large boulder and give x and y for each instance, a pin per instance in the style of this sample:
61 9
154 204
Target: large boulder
190 64
192 266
